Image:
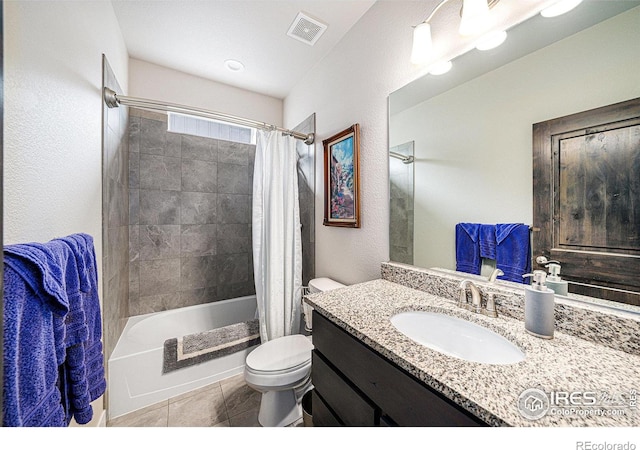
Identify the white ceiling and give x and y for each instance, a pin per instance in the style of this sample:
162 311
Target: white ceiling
197 36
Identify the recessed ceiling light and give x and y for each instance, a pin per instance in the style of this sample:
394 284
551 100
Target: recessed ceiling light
234 65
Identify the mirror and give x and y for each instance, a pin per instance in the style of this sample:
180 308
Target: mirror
471 129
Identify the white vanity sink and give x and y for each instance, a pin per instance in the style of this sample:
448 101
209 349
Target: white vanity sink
457 337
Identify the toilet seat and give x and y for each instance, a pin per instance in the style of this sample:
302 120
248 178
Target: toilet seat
281 363
281 354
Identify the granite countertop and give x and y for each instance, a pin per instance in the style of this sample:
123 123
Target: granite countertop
604 376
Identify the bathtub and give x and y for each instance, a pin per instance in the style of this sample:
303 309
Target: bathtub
135 366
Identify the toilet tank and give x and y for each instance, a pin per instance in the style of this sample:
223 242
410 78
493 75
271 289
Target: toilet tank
323 285
317 285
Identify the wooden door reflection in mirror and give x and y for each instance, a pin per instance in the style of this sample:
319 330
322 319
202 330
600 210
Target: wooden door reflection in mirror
586 208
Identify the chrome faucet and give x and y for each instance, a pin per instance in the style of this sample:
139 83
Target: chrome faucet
494 275
476 298
490 310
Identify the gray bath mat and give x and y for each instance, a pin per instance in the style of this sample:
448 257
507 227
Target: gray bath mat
199 347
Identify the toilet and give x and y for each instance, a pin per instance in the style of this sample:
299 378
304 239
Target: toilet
281 369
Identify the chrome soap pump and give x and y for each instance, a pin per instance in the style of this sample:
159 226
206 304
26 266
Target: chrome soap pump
539 304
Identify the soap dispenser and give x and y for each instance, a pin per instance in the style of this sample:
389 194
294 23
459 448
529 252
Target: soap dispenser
539 304
554 282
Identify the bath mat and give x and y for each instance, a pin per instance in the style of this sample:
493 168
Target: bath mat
206 345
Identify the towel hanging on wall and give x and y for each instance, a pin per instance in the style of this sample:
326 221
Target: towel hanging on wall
34 308
53 361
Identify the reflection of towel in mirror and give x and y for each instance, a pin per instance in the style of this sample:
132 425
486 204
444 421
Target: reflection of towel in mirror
467 248
513 251
487 241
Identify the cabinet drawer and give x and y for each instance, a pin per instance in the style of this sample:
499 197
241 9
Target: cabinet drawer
352 409
401 396
322 416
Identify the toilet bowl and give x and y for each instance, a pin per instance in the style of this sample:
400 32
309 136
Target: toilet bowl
281 370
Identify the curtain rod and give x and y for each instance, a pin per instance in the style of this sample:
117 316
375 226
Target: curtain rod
404 158
114 100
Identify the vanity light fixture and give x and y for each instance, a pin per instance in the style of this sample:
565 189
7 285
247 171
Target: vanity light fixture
560 8
474 19
491 40
440 68
422 44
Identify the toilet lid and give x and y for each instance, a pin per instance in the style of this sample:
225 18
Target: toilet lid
280 354
323 285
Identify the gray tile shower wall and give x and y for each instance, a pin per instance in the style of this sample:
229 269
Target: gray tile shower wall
401 206
189 215
115 217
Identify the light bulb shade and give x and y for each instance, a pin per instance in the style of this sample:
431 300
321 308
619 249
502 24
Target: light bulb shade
491 40
421 50
475 17
559 8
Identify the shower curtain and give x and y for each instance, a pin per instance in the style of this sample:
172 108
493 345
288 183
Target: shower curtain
277 243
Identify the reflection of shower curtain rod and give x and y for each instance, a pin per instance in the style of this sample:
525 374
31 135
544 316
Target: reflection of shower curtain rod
404 158
114 100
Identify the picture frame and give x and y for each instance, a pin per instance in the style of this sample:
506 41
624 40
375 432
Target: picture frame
342 178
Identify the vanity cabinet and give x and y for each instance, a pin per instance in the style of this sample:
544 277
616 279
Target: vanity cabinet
356 386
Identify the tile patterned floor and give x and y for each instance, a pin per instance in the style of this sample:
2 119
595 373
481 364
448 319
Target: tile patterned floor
227 403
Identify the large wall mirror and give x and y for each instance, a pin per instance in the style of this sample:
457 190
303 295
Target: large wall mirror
461 143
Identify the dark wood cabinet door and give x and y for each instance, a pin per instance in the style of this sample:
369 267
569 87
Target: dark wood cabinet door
586 186
381 389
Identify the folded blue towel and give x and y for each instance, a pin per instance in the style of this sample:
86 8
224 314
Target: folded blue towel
468 248
35 304
513 251
488 241
61 277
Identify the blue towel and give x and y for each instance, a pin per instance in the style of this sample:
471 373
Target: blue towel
468 248
513 251
35 304
488 241
83 378
61 275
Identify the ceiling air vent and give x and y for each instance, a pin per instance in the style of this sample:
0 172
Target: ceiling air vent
306 29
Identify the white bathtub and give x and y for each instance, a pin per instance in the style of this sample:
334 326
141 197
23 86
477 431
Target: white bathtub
135 366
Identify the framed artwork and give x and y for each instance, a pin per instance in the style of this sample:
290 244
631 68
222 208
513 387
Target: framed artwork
341 179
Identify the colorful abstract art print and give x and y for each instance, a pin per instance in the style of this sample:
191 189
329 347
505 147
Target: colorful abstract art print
341 157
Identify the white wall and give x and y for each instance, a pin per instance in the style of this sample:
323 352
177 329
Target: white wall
155 82
350 86
473 143
53 117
